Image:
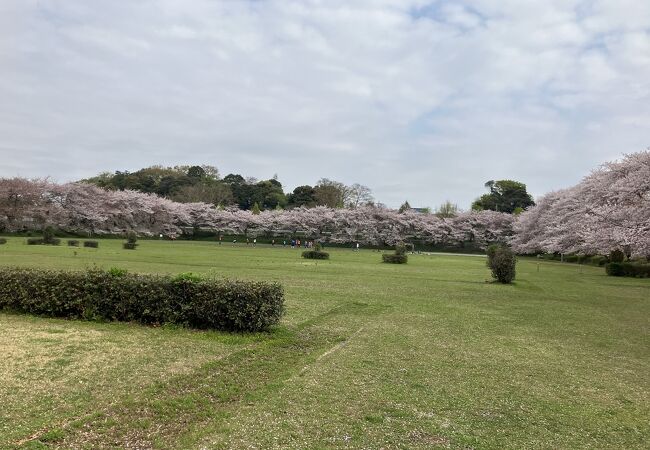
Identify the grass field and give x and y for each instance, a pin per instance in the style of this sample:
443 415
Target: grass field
369 355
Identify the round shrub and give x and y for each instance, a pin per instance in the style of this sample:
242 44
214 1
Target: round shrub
393 258
399 257
131 239
73 243
315 254
3 241
502 262
91 244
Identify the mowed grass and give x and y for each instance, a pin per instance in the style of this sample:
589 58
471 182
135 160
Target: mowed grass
369 355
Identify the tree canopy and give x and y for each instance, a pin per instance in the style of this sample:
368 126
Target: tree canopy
504 196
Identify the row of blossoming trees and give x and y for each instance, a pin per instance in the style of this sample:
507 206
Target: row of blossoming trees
607 210
81 208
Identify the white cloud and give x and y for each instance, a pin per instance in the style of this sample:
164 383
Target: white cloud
417 99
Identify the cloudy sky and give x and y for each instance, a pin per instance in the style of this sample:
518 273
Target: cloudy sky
417 99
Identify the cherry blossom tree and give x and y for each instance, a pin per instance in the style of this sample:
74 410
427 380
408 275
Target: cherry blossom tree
85 208
607 210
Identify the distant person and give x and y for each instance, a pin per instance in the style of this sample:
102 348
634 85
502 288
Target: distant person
272 242
254 242
357 246
248 241
220 238
284 243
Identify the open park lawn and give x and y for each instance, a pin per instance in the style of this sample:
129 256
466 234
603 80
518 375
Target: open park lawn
368 355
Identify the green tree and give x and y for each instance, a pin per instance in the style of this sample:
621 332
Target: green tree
215 193
405 207
256 208
333 194
505 196
196 172
302 196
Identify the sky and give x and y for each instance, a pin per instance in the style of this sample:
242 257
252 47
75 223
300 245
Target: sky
419 100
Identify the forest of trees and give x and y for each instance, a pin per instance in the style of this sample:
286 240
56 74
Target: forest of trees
192 184
188 184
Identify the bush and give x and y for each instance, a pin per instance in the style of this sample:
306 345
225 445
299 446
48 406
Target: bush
502 262
48 235
492 250
91 244
627 269
147 299
131 237
399 257
394 258
73 243
43 241
315 254
617 256
3 241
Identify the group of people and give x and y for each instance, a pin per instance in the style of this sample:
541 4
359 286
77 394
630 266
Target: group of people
297 243
294 243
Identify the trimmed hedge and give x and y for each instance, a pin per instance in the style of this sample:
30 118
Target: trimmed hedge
91 244
394 258
627 269
315 254
148 299
129 245
73 243
41 241
3 241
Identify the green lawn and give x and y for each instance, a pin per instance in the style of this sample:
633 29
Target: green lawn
369 355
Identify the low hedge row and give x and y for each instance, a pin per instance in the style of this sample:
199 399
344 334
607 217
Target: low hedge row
91 244
627 269
3 241
42 241
148 299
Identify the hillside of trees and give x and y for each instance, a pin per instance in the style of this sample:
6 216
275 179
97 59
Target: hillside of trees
203 184
191 184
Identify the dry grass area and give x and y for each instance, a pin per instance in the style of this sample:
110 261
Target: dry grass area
56 370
